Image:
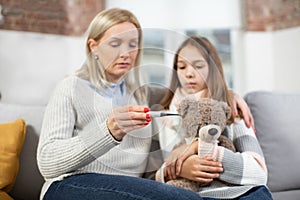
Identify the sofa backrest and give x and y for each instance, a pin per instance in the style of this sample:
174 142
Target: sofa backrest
277 118
29 180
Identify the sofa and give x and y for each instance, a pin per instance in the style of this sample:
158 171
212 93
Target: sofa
276 117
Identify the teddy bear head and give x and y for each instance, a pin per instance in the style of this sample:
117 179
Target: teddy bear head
199 112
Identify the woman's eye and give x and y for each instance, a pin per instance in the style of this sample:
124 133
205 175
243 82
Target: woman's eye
133 44
115 44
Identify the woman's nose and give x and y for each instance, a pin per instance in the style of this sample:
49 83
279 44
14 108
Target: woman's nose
124 52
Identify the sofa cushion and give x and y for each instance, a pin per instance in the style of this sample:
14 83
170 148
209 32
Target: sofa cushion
12 135
29 180
277 117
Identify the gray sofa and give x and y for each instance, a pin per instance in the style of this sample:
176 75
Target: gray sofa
276 119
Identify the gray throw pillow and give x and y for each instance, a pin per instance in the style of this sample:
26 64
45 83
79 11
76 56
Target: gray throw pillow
277 121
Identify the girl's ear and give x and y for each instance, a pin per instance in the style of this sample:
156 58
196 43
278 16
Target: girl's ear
92 44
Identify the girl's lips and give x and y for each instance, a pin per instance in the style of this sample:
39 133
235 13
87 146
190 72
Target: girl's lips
191 84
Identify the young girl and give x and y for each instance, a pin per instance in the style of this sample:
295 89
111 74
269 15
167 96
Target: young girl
198 70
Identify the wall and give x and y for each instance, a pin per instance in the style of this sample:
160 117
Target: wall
265 40
179 14
62 17
272 60
267 51
41 42
32 64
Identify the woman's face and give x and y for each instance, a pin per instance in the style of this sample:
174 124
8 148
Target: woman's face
117 50
192 69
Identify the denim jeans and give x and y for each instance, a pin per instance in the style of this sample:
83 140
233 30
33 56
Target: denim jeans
110 187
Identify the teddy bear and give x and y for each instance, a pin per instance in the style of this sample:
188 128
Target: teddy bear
208 118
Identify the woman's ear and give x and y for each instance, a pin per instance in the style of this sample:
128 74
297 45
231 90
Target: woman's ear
92 44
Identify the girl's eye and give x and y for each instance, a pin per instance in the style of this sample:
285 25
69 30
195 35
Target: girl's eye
199 66
180 66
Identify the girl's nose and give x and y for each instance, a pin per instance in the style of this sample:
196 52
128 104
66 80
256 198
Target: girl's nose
189 71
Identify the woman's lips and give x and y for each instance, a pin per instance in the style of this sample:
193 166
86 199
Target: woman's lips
123 64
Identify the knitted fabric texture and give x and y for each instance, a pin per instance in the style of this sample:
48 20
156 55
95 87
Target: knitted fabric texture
206 118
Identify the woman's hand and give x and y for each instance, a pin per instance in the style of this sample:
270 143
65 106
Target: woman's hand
177 157
200 169
239 102
127 118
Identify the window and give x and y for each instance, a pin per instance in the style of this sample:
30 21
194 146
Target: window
161 45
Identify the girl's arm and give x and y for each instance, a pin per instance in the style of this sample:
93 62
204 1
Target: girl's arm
247 165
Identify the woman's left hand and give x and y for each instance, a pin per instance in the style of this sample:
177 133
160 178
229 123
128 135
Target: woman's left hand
239 102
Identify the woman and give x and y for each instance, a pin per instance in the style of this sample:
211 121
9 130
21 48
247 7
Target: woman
96 137
242 174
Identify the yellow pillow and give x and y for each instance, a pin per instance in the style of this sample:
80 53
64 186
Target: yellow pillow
12 135
4 196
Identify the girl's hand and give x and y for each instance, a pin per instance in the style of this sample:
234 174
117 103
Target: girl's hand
201 169
127 118
239 102
177 157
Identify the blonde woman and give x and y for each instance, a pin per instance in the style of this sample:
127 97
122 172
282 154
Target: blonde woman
96 135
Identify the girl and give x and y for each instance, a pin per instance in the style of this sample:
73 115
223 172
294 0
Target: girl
198 71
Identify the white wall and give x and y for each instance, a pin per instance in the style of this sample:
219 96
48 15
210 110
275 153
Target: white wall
31 64
271 61
183 14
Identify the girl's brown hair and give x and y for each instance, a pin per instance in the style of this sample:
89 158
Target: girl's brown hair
216 84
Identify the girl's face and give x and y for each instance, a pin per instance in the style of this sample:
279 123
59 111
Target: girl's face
117 50
192 69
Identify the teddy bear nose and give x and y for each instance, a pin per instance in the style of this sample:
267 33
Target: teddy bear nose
212 131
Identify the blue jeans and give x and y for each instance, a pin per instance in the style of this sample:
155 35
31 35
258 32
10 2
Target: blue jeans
110 187
256 193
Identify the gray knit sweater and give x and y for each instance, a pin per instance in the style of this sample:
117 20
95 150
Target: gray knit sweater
243 170
75 139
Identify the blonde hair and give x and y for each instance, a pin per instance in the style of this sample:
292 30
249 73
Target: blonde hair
92 70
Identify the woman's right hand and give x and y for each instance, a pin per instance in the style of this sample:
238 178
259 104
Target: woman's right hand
203 170
127 118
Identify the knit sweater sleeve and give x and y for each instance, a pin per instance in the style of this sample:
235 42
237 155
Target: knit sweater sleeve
247 165
64 147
